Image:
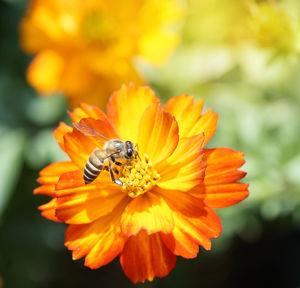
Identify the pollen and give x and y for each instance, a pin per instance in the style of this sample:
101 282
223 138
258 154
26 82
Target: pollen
138 177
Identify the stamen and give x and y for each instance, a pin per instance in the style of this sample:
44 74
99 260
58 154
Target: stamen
138 177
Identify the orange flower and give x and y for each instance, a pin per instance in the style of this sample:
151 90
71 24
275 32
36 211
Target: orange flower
83 47
165 207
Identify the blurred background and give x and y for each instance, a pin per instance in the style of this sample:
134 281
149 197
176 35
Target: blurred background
241 56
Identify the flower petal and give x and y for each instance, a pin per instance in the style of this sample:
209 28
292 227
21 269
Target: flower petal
52 172
148 212
189 118
145 256
87 111
87 206
60 132
222 195
125 108
44 72
195 224
101 240
76 79
222 165
49 176
79 146
158 133
220 187
102 126
48 190
182 106
191 232
73 182
181 243
48 210
185 168
78 203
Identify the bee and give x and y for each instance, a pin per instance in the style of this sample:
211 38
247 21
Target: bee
102 159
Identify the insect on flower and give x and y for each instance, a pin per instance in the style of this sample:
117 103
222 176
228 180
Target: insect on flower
152 202
112 149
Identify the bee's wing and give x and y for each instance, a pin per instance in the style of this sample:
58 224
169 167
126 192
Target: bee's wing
89 131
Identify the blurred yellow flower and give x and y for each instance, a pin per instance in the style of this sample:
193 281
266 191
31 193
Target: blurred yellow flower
264 23
217 21
272 26
81 46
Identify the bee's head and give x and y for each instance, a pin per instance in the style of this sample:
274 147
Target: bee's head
129 150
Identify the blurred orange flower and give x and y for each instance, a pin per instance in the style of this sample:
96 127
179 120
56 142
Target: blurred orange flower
81 46
165 207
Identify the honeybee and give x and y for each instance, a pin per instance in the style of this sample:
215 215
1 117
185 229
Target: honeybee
101 159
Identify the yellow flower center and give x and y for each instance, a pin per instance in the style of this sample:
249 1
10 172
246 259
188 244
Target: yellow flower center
138 177
97 27
272 27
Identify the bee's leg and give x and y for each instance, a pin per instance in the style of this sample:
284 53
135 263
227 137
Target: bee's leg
112 176
116 162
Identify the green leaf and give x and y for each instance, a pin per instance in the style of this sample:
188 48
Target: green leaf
11 156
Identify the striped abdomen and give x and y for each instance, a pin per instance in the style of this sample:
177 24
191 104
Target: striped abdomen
93 167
